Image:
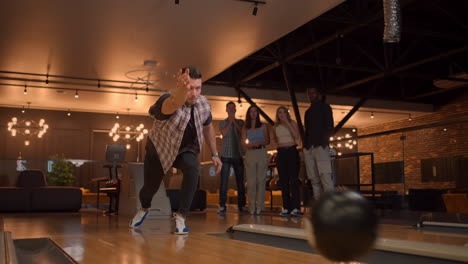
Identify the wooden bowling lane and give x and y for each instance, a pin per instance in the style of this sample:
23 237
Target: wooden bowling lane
413 234
93 238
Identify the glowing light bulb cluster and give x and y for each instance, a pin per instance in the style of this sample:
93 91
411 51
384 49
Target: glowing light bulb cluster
341 143
128 133
27 128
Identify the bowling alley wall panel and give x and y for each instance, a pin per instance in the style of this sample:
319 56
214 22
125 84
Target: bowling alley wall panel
434 156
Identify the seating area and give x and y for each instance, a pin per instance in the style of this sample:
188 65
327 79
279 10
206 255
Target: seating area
31 194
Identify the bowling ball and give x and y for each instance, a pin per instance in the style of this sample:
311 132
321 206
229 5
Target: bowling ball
344 225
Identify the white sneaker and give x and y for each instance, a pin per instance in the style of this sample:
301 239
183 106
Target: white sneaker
285 212
222 210
138 218
296 212
180 229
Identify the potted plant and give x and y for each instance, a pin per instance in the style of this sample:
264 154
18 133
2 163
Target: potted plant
62 171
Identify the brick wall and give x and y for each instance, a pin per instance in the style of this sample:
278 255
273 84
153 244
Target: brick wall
422 143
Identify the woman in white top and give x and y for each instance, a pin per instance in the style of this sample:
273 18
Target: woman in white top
287 161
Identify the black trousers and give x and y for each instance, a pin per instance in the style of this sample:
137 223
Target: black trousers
287 164
187 162
238 165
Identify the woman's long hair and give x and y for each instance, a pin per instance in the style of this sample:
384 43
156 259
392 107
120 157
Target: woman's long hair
288 116
248 119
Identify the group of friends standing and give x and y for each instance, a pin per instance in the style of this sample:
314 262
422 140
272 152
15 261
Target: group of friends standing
253 136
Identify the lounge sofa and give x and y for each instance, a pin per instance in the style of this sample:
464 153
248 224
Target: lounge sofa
32 194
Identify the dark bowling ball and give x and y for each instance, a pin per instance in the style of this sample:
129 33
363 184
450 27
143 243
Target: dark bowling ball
344 224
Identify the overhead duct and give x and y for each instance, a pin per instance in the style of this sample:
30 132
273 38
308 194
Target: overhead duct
392 19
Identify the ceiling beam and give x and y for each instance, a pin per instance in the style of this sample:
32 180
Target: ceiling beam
311 47
399 69
252 103
292 95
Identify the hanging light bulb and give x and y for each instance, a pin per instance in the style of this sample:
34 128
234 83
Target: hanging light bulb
409 117
136 97
26 142
25 89
372 115
128 146
76 93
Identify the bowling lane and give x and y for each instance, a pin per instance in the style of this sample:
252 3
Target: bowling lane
386 250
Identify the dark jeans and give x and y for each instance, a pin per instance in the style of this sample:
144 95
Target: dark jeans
187 162
287 164
238 166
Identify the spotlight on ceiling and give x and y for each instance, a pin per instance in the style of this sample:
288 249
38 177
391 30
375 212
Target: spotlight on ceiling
256 3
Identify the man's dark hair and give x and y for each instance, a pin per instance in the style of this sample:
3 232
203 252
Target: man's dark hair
194 72
230 102
320 91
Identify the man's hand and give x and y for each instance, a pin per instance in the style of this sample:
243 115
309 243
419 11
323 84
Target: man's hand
183 80
217 163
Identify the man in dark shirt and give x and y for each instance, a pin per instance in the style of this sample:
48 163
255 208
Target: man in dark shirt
318 129
182 120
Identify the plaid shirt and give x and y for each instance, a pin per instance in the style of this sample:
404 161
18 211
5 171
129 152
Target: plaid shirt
231 142
166 135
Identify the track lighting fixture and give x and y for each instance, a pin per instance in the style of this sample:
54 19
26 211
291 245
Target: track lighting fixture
256 3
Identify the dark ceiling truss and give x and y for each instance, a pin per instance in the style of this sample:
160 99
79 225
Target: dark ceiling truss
343 49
